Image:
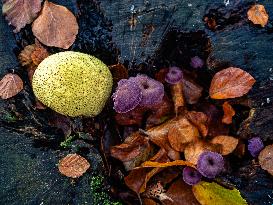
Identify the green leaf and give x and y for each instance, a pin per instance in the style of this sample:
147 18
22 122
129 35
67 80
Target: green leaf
214 194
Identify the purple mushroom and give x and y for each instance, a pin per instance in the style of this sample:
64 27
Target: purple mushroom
191 176
196 62
210 164
174 75
255 146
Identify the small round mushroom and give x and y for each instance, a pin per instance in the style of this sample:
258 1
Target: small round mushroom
174 75
152 90
210 164
196 62
127 96
255 146
191 176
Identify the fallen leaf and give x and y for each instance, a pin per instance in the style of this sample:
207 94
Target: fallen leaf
73 165
192 91
177 92
230 83
138 178
157 191
146 201
258 15
229 112
240 149
20 12
61 122
200 120
160 75
211 194
228 143
25 55
133 117
119 71
40 106
180 193
10 85
193 150
135 150
166 164
39 54
56 26
182 133
266 159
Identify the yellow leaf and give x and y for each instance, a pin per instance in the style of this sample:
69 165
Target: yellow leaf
213 194
167 164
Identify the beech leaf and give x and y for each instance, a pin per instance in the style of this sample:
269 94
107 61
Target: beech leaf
266 159
10 85
228 143
230 83
56 26
211 194
258 15
229 112
20 12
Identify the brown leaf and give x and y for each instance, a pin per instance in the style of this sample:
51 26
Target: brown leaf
56 26
40 106
266 159
25 55
193 150
73 165
20 12
61 122
192 91
258 15
230 83
182 133
119 71
39 54
229 112
228 143
200 120
240 149
177 92
133 117
10 85
166 164
138 178
160 76
148 202
180 193
135 150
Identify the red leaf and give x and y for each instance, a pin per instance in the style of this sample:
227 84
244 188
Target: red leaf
229 112
230 83
21 12
56 26
10 85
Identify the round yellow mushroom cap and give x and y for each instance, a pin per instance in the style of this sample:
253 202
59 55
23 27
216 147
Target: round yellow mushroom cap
73 83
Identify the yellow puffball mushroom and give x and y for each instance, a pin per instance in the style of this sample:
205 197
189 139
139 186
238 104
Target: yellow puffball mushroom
73 83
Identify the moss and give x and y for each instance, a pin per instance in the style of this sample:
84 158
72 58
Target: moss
67 142
100 196
73 83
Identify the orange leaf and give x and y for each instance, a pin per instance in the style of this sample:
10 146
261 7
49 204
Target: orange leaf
10 85
182 133
166 164
200 120
178 96
25 55
258 15
21 12
73 165
56 26
228 143
230 83
229 112
266 159
193 150
39 54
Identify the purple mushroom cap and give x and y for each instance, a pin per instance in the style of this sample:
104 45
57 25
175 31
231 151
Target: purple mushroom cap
152 90
255 146
191 176
196 62
174 75
210 164
127 96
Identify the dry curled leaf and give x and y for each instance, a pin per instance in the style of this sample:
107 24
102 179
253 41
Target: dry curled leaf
133 117
10 85
192 91
230 83
56 26
20 12
229 112
193 150
178 96
39 54
119 71
182 133
266 159
73 165
25 55
166 164
228 143
135 150
258 15
200 120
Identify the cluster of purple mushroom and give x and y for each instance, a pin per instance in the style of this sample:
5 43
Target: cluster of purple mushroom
137 91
